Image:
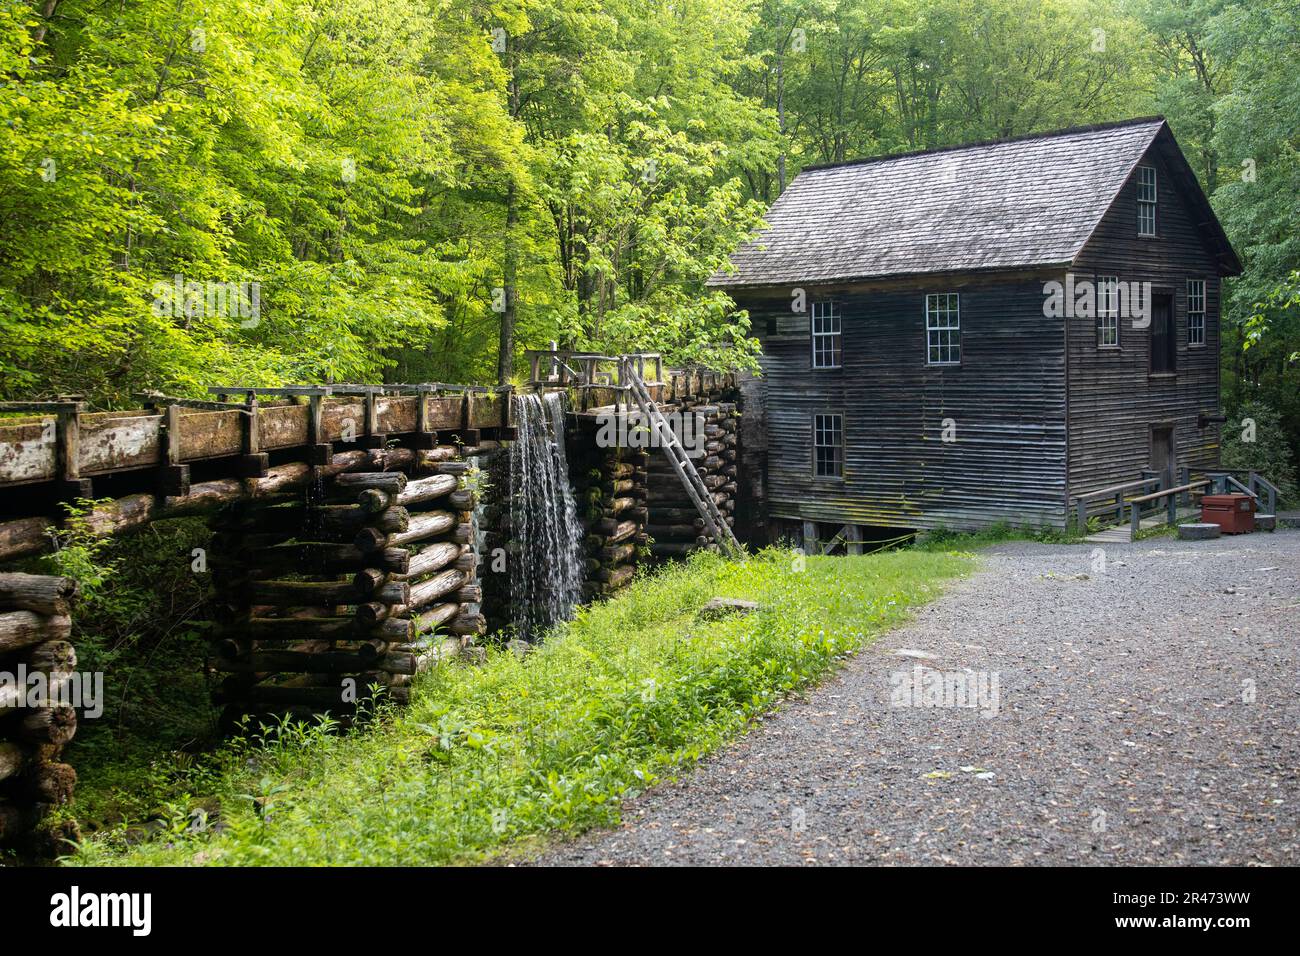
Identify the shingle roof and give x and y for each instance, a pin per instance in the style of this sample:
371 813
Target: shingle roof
1022 202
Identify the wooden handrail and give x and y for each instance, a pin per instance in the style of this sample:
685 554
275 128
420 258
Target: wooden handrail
1135 504
1115 489
1143 499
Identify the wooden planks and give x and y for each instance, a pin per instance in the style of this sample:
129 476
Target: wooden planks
111 442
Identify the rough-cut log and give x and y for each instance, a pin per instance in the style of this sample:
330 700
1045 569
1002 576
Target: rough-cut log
377 587
50 783
464 533
673 549
427 591
427 489
51 656
368 581
41 593
296 629
435 557
328 662
425 460
294 593
372 612
322 558
422 525
333 522
469 593
435 616
394 630
615 531
391 481
373 501
394 593
23 537
616 554
468 624
467 561
55 724
19 629
663 531
462 500
12 758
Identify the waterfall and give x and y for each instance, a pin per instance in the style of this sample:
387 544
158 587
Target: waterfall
545 564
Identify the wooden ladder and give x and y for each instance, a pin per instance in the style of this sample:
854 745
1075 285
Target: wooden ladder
663 435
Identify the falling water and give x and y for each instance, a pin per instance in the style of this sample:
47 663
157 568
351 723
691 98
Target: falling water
546 572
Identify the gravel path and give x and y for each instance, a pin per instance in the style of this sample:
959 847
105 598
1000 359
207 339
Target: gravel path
1125 730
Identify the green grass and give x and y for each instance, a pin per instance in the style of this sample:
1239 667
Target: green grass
633 691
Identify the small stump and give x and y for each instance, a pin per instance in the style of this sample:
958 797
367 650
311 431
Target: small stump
1198 532
720 607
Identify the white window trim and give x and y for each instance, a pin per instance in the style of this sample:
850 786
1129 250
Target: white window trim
816 446
836 337
1107 310
1153 203
1201 312
956 327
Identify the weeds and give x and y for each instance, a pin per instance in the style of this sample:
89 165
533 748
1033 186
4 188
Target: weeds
632 691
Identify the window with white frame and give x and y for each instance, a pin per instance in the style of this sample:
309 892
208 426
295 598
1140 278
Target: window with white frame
1195 311
943 328
1146 197
826 338
828 446
1107 312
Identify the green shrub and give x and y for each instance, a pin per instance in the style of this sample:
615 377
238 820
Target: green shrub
1269 453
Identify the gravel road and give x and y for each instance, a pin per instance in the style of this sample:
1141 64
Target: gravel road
1144 713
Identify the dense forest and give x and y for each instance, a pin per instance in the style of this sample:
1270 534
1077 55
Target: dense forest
404 190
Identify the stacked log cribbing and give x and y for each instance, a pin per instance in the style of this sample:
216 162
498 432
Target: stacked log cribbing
364 581
37 705
610 493
675 526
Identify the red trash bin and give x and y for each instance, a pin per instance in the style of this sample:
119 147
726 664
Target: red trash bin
1234 514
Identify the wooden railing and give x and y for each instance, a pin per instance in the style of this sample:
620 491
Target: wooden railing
1171 494
1255 484
1109 499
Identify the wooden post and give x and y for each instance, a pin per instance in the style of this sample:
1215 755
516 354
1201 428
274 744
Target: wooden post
255 462
174 479
373 437
67 453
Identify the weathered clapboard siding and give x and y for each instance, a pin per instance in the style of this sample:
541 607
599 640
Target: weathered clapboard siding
1039 410
1006 400
1113 398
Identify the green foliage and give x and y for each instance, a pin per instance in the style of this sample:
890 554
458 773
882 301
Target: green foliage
1269 453
136 624
629 693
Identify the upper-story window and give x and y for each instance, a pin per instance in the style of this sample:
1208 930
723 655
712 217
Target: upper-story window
1146 196
1195 311
1107 312
827 351
943 328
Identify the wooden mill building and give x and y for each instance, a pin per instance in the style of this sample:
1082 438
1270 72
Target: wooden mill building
965 336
